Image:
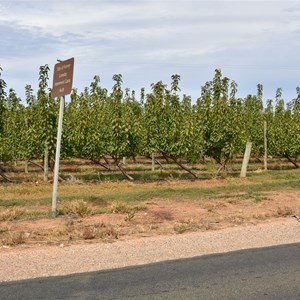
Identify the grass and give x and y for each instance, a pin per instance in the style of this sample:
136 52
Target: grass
142 175
242 199
79 207
121 197
15 213
11 214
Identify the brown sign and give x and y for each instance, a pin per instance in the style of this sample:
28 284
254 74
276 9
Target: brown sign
63 78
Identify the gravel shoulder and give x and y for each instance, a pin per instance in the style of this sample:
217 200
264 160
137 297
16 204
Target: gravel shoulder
24 262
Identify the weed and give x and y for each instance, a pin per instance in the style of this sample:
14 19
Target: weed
180 228
16 238
88 233
3 229
82 208
237 220
123 208
285 211
260 216
186 225
105 232
257 199
120 208
206 225
130 215
231 182
11 214
79 207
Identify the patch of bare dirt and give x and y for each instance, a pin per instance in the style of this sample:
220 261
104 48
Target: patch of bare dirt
157 217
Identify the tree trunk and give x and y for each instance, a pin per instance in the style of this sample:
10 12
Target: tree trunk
102 165
294 162
222 167
105 159
182 166
4 176
117 162
258 159
155 160
41 167
36 164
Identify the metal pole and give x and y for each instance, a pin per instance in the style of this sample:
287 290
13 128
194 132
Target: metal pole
57 155
266 147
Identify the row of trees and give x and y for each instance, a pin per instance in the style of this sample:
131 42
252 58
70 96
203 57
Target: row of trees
99 123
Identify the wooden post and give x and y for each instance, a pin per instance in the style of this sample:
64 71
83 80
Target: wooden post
246 159
46 161
153 162
26 165
266 147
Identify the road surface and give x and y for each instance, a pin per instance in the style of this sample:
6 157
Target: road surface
266 273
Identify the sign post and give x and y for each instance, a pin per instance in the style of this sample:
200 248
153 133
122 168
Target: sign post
62 85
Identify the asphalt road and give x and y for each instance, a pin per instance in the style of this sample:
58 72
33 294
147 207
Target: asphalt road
266 273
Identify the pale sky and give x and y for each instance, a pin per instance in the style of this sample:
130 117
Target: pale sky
149 40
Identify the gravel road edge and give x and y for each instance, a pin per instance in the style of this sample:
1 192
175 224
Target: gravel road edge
44 261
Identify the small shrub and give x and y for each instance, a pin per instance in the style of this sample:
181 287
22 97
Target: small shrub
130 215
181 227
82 209
79 207
88 233
107 232
11 214
257 199
3 229
16 238
120 208
285 211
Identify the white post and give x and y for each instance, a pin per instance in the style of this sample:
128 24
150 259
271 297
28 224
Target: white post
266 147
153 162
57 155
246 159
26 134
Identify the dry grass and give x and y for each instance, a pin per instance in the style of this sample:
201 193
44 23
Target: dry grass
79 207
11 214
112 210
284 211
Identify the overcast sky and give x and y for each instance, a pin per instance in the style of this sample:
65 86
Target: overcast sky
147 41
